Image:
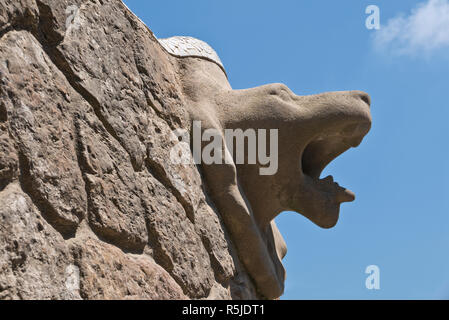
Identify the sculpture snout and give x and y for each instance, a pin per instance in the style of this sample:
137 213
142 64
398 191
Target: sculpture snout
346 113
356 105
357 120
361 96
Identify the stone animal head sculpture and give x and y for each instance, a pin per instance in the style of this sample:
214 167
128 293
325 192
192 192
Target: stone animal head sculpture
312 131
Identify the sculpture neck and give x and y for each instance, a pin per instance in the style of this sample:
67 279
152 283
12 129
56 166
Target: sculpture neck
265 211
202 79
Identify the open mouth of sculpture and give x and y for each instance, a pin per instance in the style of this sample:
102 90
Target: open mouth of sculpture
323 149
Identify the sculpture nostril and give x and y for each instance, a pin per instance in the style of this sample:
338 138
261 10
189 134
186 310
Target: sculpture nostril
365 98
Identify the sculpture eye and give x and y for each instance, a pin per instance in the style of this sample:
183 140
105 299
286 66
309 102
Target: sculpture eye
285 94
281 91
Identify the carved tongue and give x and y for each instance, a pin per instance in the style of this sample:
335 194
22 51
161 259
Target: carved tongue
343 194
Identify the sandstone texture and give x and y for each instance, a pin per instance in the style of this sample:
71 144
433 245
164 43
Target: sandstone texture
90 206
92 203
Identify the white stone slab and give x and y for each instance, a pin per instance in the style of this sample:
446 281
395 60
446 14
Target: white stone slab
186 46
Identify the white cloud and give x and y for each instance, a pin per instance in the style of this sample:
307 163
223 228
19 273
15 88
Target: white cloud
424 31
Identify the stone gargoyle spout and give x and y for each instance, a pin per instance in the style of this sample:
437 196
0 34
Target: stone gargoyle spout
311 131
100 195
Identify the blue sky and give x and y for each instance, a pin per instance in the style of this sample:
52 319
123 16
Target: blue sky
400 173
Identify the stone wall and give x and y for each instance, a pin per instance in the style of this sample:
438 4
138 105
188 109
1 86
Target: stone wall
90 208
